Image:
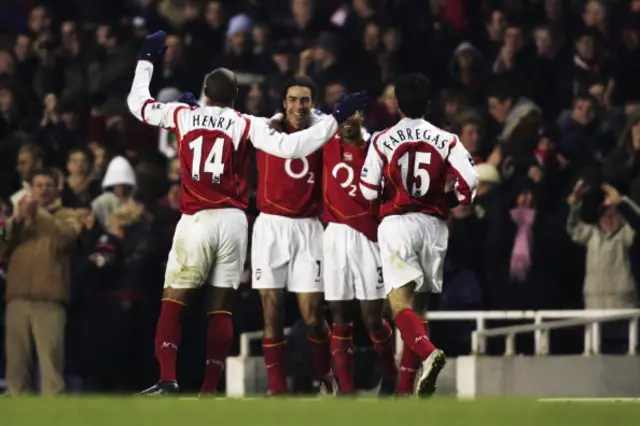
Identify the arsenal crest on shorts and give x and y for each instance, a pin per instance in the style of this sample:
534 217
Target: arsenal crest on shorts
258 273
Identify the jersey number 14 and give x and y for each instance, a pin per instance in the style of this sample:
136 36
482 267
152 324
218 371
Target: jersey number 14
214 162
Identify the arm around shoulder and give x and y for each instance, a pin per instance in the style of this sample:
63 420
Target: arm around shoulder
293 145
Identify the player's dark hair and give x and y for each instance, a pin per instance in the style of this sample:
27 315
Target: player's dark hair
221 87
302 81
413 92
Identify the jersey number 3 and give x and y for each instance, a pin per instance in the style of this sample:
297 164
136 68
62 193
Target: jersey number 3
214 162
417 184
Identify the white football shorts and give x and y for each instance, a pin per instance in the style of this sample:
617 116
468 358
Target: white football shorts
287 253
352 268
412 248
209 246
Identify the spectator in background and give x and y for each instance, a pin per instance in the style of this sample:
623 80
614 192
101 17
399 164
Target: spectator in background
117 185
469 129
79 190
608 282
257 101
125 279
238 54
321 62
30 158
36 315
282 57
332 94
622 166
384 112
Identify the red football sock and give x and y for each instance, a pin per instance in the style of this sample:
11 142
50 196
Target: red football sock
413 333
321 354
274 352
383 343
219 339
409 364
342 355
167 340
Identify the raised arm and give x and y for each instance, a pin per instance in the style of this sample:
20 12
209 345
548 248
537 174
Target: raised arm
371 174
139 101
144 107
293 145
465 172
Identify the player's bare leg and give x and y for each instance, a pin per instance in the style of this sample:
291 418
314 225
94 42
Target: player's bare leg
381 336
274 344
219 337
414 335
342 348
167 340
319 335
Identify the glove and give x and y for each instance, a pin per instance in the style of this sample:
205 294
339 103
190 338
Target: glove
153 46
189 99
348 105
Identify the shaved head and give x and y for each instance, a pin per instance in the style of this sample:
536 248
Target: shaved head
221 87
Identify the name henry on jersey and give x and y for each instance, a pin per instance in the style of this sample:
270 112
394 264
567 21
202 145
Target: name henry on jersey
212 122
391 140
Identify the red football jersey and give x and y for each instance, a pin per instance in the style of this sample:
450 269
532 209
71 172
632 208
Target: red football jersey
289 187
214 161
343 201
413 157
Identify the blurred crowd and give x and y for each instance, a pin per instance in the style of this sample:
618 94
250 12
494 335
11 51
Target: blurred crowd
544 93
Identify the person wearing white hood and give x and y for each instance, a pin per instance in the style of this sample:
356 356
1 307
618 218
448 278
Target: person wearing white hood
118 183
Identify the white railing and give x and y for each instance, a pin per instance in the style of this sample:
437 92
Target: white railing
537 317
591 334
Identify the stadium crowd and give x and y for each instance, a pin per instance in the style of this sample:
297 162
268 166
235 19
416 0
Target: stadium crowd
544 93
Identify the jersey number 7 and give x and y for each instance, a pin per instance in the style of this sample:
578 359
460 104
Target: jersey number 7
214 162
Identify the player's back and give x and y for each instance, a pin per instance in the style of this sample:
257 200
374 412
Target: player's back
415 152
342 199
289 187
214 154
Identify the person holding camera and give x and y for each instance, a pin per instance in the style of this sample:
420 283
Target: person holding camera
608 282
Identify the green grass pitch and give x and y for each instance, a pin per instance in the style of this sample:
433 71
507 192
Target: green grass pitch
138 411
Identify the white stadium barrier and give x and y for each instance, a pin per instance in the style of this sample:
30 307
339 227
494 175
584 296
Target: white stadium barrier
246 373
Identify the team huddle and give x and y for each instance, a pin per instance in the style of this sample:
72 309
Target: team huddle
382 198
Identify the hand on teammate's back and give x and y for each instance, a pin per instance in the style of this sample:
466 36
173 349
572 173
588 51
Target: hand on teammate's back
189 99
153 46
349 104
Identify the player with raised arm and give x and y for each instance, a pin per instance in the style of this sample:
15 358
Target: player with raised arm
352 259
412 158
286 250
210 240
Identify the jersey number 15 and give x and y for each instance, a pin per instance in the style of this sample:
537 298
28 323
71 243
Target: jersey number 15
213 164
416 163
